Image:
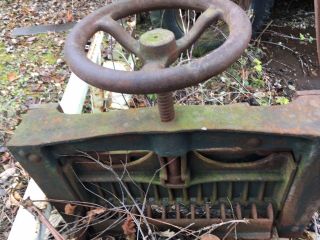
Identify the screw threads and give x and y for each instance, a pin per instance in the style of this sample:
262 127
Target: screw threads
166 108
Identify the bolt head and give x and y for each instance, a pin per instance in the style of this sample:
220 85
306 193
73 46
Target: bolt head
157 38
158 46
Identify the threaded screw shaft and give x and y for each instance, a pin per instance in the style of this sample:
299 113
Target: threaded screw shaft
166 107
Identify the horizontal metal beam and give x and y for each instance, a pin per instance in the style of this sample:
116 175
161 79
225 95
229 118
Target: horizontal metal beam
300 118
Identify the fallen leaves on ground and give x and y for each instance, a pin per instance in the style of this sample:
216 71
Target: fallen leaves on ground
69 209
12 76
209 237
129 228
94 212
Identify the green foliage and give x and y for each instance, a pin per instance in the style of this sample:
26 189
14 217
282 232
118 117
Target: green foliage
302 37
7 61
306 38
257 82
256 79
263 101
152 97
257 65
282 100
20 75
310 39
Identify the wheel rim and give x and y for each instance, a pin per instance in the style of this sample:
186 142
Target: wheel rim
182 23
245 4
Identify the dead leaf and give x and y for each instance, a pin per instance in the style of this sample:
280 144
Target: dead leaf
129 228
209 237
17 196
58 79
12 76
13 201
20 186
309 235
167 234
96 211
69 17
69 209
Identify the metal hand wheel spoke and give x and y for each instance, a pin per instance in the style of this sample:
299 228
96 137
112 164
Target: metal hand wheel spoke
112 27
158 49
203 22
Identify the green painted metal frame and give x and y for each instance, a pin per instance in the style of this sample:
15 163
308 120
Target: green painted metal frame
294 130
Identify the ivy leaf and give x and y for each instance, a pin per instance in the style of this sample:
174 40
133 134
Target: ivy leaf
258 68
257 61
302 37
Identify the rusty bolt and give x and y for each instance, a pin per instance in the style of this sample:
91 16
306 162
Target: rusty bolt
166 107
34 158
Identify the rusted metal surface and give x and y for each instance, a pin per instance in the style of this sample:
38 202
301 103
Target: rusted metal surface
235 162
245 4
172 171
241 153
257 227
167 79
158 49
165 106
202 179
300 118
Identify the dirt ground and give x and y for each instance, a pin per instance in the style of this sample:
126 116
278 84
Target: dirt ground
280 61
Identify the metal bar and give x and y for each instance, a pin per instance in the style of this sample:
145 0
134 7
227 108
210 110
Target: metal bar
199 194
149 211
214 192
245 191
254 211
207 206
185 194
302 201
178 215
163 215
261 190
42 29
193 211
238 211
223 211
156 193
171 195
191 118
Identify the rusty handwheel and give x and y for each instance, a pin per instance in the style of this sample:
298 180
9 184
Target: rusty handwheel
158 49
